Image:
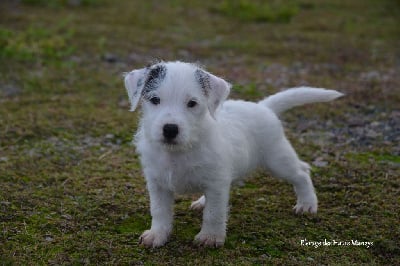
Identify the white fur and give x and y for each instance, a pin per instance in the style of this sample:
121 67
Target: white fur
219 142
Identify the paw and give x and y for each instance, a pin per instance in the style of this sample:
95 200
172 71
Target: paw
209 240
153 238
199 204
308 205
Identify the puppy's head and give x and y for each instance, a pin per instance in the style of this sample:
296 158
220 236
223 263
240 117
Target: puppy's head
178 101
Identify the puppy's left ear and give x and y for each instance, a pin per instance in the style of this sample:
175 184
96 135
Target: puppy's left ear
215 89
134 83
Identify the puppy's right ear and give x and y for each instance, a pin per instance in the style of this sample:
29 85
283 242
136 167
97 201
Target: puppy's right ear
134 83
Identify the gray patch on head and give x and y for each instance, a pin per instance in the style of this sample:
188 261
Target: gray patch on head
154 78
204 80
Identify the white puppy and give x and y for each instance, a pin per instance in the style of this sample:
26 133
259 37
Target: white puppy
191 140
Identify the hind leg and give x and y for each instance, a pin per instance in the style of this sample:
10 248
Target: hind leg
198 205
282 161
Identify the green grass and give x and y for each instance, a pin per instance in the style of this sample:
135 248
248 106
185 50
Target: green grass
369 157
260 11
36 43
71 188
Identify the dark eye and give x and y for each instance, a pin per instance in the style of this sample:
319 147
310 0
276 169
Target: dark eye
191 104
155 100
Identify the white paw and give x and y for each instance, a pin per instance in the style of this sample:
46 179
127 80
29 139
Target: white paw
199 204
153 238
209 240
306 205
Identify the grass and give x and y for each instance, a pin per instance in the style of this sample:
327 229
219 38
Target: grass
260 11
72 191
35 42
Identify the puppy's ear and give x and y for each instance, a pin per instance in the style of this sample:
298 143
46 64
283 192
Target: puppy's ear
218 93
134 83
214 88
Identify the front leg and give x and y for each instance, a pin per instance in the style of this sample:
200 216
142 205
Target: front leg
213 229
161 202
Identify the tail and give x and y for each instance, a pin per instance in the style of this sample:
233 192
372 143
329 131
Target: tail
290 98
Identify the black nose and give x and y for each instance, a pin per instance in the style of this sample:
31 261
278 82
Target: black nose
170 131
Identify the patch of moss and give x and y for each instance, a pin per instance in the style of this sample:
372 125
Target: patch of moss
367 157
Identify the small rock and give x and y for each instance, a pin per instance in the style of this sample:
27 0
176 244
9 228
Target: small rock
319 162
49 238
372 134
110 58
3 159
110 136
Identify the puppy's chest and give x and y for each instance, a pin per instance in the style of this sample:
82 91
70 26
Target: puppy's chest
181 175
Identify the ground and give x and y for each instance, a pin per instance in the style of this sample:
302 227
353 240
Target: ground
71 187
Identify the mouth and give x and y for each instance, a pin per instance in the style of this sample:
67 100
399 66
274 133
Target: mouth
170 145
174 146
